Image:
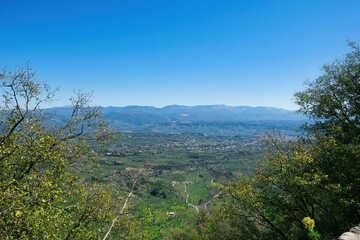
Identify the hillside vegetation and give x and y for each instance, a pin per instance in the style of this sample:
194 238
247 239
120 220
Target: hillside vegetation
307 188
180 172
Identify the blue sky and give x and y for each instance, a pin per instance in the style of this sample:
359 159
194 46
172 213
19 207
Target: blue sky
189 52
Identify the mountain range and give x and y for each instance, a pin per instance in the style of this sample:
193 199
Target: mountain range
202 113
206 119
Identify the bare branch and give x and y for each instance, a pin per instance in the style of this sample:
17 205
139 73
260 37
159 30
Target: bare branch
135 180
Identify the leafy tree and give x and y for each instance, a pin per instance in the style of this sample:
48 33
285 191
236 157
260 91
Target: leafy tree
280 194
333 101
42 195
315 177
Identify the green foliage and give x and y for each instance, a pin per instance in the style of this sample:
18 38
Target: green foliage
316 175
42 195
299 182
333 99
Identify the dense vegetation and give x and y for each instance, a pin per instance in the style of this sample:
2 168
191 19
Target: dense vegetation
42 193
305 188
60 181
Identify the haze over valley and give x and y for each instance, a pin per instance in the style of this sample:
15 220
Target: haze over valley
205 119
179 120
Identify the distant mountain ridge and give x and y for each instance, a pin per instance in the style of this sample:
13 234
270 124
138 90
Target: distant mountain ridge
181 113
204 119
203 113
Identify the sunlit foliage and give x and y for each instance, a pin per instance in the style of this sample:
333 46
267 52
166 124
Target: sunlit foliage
314 178
42 196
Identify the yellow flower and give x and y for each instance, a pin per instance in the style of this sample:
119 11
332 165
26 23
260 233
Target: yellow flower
308 223
17 213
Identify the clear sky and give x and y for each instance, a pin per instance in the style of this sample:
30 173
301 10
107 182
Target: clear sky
189 52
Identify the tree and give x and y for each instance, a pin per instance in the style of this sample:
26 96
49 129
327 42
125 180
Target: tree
42 195
333 99
313 179
323 171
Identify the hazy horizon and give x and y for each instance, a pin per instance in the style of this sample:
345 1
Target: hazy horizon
170 105
158 53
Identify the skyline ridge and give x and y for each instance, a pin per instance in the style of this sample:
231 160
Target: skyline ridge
180 105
